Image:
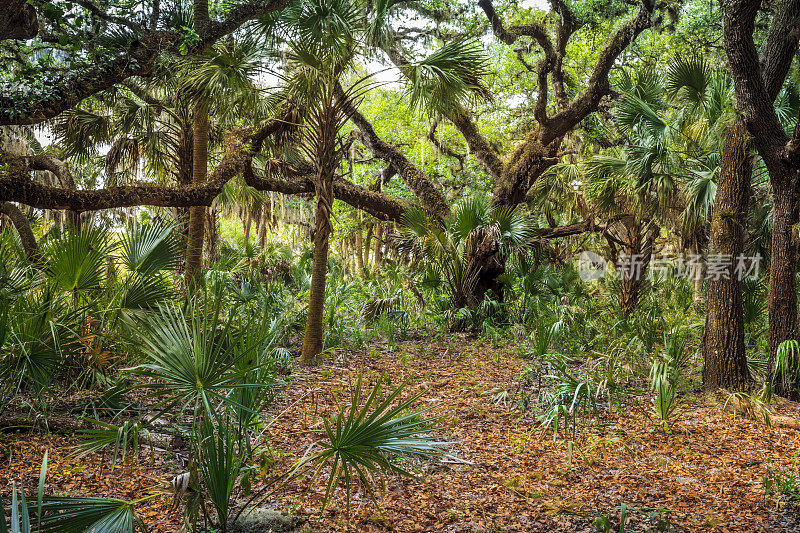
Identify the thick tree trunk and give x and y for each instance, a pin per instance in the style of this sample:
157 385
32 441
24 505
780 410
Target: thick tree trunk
782 299
522 168
23 227
724 356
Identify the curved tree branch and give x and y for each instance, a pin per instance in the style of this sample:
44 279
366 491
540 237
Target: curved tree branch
137 60
429 195
23 227
461 118
598 85
755 94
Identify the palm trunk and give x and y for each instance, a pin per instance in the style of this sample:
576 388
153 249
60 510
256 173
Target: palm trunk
262 235
377 253
368 246
248 222
183 174
359 252
634 275
312 341
212 235
326 164
724 355
197 214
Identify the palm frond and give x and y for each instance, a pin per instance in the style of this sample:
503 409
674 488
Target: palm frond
448 78
363 443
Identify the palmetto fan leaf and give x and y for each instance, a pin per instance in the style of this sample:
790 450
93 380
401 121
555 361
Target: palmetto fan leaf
449 249
95 515
449 77
468 215
328 27
378 30
80 130
144 292
219 463
634 112
700 190
69 514
188 357
223 76
148 248
38 336
364 441
122 157
688 78
76 261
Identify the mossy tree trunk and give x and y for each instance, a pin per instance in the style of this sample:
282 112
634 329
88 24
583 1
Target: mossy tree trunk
724 356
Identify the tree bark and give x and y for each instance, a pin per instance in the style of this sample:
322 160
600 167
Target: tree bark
327 159
197 214
757 82
377 253
724 355
200 126
23 227
368 246
212 236
312 340
359 245
782 298
424 188
137 59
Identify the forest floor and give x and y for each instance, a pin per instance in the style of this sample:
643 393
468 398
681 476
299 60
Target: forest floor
503 471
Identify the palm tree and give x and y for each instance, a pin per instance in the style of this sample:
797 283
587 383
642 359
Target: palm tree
200 125
465 252
663 175
708 123
322 36
151 127
219 80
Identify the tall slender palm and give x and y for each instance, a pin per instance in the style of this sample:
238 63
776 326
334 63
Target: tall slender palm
323 37
200 125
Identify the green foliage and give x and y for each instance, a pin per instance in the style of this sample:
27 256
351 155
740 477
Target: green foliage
448 251
663 384
219 463
449 78
775 483
364 441
76 260
786 363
